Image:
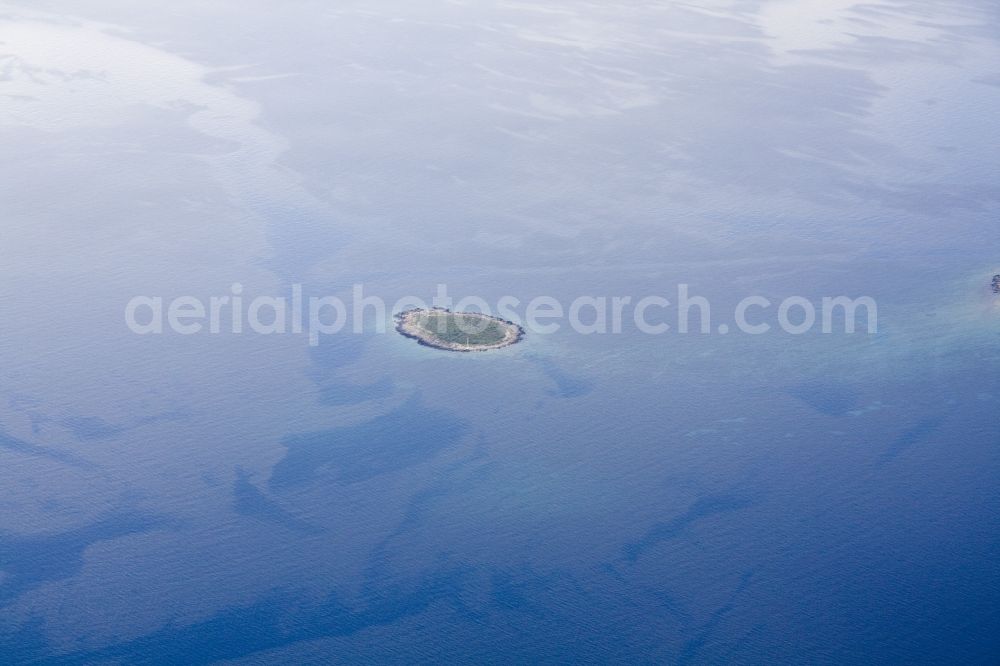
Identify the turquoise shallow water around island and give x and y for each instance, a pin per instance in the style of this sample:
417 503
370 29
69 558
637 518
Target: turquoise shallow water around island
615 498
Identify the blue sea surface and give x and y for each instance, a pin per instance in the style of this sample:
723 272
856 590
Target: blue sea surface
699 498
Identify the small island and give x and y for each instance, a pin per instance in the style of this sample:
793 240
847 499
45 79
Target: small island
457 331
996 284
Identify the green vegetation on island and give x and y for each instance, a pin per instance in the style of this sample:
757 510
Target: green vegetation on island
457 331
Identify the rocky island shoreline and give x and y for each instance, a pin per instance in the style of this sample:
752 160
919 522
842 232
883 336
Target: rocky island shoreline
441 328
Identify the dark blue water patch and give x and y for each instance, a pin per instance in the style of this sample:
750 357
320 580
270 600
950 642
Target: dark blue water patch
830 398
277 621
566 384
689 651
408 436
91 427
86 428
30 561
911 437
333 353
341 394
29 449
250 501
25 643
703 508
507 592
520 589
30 405
461 475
